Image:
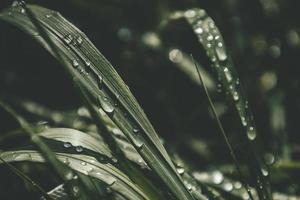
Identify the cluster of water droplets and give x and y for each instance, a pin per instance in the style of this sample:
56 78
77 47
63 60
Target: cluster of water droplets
84 67
18 6
78 149
217 178
212 41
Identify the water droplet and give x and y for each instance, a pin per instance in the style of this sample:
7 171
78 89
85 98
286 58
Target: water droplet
210 37
228 187
217 177
83 163
264 171
251 133
208 45
69 175
67 145
244 121
100 81
246 104
238 185
213 59
269 158
75 190
75 63
135 130
138 141
175 55
66 161
48 16
190 13
227 74
115 160
235 96
221 54
212 24
68 38
81 70
199 30
23 11
106 104
180 170
79 40
87 63
79 148
246 196
83 112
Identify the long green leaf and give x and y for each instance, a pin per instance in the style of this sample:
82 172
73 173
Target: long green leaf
100 79
86 165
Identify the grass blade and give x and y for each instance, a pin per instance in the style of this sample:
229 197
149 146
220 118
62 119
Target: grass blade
83 61
88 166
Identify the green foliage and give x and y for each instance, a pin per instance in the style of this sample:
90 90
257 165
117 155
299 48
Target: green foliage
113 151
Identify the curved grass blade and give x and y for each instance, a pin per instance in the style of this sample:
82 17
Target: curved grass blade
134 173
88 166
63 171
212 41
83 61
76 138
232 153
71 119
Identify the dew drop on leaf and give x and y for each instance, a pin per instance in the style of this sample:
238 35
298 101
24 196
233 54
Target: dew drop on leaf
180 170
87 63
269 158
235 96
67 145
264 171
220 51
228 186
22 10
68 38
79 148
175 55
227 74
210 37
135 130
100 81
199 30
217 177
251 133
75 63
244 121
79 40
190 13
105 104
138 141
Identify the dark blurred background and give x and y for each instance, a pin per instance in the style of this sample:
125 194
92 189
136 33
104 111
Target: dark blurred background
262 37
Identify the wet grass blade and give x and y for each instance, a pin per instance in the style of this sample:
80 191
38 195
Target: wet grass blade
211 39
63 171
83 61
232 153
113 178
